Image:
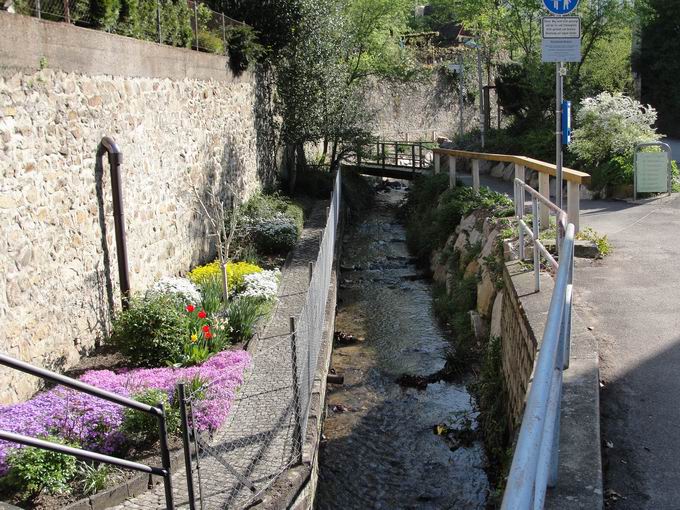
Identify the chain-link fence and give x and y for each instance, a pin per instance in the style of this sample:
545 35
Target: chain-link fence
265 431
187 24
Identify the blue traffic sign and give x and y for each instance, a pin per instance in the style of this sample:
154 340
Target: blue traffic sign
560 6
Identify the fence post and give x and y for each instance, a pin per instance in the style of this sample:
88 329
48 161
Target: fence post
37 8
475 174
573 202
396 153
519 200
377 152
67 12
158 21
224 34
536 228
196 23
452 171
544 190
165 457
437 162
413 158
383 156
297 430
420 154
185 440
197 452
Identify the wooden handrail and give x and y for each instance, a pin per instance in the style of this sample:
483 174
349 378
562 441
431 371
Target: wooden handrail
568 174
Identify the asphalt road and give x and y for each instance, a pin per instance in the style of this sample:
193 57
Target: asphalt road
632 301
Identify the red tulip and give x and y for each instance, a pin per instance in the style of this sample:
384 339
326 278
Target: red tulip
206 329
202 314
190 308
207 335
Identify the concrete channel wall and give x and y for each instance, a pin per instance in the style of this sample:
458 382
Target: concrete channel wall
181 119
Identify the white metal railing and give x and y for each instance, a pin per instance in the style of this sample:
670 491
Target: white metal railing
535 460
521 189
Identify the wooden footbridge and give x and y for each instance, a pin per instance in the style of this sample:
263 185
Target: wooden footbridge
394 159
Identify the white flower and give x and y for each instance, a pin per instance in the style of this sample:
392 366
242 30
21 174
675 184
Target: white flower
182 287
262 285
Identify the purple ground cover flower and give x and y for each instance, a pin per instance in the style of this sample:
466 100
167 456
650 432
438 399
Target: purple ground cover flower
95 423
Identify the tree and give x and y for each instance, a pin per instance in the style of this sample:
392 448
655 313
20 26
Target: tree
657 60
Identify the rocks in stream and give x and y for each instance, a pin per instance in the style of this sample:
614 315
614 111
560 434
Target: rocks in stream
341 338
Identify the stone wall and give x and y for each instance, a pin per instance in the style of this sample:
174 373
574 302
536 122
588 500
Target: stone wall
419 110
191 125
425 109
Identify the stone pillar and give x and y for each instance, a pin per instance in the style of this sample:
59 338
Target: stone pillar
436 162
452 171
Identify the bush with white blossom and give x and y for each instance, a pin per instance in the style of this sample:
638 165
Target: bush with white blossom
610 125
181 287
262 285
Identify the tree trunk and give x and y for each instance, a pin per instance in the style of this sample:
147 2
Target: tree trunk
290 166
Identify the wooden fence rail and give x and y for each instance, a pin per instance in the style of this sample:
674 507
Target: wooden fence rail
545 170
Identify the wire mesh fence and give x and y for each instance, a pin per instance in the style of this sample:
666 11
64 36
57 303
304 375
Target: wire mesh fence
265 431
187 24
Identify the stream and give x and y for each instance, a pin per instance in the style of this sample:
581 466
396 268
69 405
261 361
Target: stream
383 448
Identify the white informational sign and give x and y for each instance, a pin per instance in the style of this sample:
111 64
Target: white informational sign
651 172
561 27
561 50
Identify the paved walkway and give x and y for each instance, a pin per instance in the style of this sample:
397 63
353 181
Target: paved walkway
631 300
258 441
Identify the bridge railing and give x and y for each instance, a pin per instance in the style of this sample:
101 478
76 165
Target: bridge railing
413 155
574 178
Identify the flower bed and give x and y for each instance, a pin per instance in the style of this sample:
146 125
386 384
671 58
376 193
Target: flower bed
95 423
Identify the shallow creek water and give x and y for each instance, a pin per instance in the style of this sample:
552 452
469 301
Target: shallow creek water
381 450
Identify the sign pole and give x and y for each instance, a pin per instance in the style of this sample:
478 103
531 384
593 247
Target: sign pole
559 93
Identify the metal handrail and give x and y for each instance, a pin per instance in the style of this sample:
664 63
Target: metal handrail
157 411
521 188
535 461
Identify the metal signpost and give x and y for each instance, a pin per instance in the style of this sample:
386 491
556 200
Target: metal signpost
652 170
561 43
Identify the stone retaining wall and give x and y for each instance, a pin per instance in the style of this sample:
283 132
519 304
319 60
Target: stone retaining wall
188 123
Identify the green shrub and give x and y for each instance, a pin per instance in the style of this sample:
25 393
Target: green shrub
433 211
242 48
143 427
609 126
210 42
243 315
128 19
151 332
105 13
270 223
93 478
32 470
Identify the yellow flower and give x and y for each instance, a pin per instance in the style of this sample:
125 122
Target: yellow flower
194 338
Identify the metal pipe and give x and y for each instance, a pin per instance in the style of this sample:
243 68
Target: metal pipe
165 457
76 385
77 452
115 156
185 440
481 93
537 258
196 450
558 134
